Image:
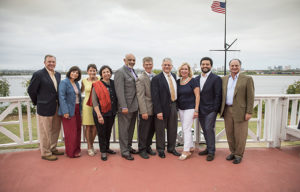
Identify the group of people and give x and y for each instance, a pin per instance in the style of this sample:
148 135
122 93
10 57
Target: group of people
155 100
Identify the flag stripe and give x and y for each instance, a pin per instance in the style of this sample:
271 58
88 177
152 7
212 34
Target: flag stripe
219 7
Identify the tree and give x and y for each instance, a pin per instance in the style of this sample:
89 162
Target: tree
4 88
294 88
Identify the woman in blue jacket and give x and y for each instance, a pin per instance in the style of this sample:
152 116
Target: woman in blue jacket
70 108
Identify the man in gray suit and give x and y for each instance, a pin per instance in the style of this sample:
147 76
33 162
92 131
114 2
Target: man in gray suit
146 119
125 78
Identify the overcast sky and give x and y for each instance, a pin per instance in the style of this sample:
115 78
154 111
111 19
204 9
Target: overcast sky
81 32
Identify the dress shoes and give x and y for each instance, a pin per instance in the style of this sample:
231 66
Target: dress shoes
174 152
230 157
49 157
210 157
237 160
133 151
103 156
144 154
56 152
161 154
110 151
128 157
205 152
150 151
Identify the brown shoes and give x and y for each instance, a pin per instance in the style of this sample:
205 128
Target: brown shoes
50 158
56 152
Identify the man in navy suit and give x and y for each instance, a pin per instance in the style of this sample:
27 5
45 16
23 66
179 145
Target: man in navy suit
210 102
164 95
43 93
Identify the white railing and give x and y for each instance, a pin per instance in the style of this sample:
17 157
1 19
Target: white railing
277 120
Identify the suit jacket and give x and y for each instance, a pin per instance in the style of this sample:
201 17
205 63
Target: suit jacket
243 98
143 92
67 97
42 92
161 96
210 95
126 89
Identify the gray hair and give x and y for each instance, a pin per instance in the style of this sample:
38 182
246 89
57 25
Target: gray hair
236 60
147 59
167 59
46 56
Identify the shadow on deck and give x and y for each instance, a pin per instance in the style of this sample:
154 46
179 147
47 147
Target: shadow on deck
262 169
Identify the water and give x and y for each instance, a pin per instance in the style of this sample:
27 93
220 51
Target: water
263 84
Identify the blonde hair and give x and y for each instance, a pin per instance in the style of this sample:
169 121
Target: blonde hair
189 67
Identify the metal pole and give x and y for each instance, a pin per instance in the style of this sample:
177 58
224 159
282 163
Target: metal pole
225 45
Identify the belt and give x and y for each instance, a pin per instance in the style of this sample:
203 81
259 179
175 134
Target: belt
228 105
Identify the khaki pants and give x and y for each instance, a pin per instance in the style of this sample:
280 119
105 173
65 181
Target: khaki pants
49 128
236 133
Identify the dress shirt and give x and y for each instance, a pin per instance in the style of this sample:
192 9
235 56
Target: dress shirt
150 75
132 72
203 79
230 88
174 83
52 76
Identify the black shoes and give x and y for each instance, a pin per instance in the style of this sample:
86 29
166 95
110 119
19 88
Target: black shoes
237 160
161 154
230 157
103 156
174 152
205 152
128 157
110 151
150 151
210 157
144 154
133 151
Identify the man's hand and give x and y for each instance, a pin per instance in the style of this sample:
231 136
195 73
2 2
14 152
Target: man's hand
145 116
248 116
160 116
125 111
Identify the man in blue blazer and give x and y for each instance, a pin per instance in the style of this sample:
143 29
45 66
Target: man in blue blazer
164 95
43 93
210 102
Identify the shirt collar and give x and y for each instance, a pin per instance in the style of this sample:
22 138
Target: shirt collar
236 76
167 74
206 74
50 72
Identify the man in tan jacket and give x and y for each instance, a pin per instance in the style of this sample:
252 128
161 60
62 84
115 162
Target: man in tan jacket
237 108
146 120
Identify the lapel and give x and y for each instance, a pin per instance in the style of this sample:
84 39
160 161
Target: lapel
164 82
147 79
207 81
225 86
50 80
128 72
240 79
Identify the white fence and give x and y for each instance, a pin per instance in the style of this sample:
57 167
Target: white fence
277 120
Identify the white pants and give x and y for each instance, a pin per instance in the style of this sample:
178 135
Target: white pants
186 118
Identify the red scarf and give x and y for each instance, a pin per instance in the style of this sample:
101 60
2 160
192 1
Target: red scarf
103 96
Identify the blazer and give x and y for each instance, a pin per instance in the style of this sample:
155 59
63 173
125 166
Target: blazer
243 98
161 96
42 92
126 89
210 95
143 92
67 97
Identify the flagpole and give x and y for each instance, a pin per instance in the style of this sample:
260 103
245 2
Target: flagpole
225 45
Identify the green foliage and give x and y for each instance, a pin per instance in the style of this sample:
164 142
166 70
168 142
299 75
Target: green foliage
23 107
4 88
157 71
26 85
294 88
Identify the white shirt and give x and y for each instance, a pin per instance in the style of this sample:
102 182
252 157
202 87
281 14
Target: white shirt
230 89
150 75
203 79
174 83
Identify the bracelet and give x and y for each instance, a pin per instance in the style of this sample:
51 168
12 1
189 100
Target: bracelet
196 111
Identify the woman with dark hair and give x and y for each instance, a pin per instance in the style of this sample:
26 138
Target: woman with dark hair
70 107
87 111
104 102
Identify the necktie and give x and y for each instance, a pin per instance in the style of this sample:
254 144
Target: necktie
172 90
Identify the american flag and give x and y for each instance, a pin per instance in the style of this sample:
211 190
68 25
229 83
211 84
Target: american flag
219 7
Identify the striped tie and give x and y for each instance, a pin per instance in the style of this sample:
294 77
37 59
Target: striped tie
172 90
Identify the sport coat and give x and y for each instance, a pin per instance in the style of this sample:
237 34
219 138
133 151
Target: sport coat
67 97
243 98
143 92
126 89
161 96
210 95
42 92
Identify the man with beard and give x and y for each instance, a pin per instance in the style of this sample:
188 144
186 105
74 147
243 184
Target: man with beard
210 102
125 78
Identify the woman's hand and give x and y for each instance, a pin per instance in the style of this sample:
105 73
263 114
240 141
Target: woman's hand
100 119
67 116
195 115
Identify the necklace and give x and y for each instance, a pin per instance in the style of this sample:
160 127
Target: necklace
183 81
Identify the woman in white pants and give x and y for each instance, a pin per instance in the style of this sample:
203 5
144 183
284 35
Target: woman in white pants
188 99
